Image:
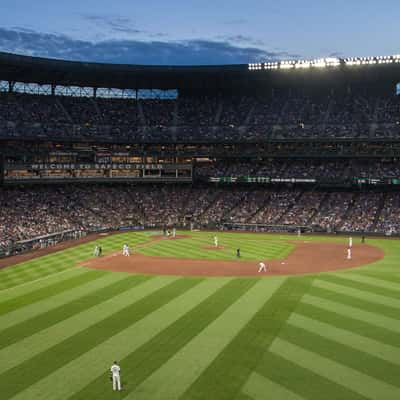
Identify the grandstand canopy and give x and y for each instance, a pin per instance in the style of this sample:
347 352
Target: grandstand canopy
187 79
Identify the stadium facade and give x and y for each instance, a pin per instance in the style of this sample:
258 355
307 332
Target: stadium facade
305 137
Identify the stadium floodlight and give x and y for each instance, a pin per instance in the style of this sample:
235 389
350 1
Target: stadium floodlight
319 64
327 62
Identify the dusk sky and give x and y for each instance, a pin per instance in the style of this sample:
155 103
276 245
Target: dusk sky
198 32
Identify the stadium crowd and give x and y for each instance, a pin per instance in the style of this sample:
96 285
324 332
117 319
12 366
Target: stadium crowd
27 213
341 169
283 115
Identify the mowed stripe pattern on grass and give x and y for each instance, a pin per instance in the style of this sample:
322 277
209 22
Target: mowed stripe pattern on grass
256 248
330 336
340 341
43 267
213 299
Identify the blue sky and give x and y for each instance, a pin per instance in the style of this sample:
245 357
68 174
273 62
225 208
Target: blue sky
198 32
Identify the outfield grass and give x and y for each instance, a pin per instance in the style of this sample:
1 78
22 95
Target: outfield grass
323 336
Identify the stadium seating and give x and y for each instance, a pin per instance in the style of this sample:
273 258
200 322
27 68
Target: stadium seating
27 213
228 118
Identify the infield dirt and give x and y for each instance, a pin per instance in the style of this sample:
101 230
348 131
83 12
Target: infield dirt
306 258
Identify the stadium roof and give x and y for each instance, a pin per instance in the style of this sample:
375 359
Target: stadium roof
231 78
49 71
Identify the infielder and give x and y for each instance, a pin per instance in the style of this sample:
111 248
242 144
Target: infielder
174 232
349 253
125 250
96 251
262 267
116 377
215 241
350 242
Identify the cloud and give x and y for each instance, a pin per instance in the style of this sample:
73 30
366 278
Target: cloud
116 24
241 39
159 34
336 54
153 52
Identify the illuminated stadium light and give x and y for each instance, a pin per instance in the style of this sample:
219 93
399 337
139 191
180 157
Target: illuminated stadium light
327 62
287 66
255 66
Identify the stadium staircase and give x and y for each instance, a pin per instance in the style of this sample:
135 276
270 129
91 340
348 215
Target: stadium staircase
347 211
374 124
218 114
278 123
379 211
98 112
289 208
317 210
138 205
217 117
244 126
218 195
142 118
284 168
264 205
225 216
63 110
184 212
327 115
175 122
72 199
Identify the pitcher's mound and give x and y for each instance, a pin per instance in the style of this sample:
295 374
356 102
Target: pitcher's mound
212 247
177 237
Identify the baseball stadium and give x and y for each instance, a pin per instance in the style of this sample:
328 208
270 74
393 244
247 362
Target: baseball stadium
223 232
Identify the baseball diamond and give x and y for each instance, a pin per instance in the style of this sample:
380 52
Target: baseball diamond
199 232
228 336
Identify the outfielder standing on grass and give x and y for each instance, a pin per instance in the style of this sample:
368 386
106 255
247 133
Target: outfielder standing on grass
115 376
215 241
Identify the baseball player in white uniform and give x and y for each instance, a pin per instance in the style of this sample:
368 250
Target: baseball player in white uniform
215 241
349 253
116 376
262 267
350 242
125 250
173 232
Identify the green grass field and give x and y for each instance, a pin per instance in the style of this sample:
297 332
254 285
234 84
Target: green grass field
323 336
253 247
